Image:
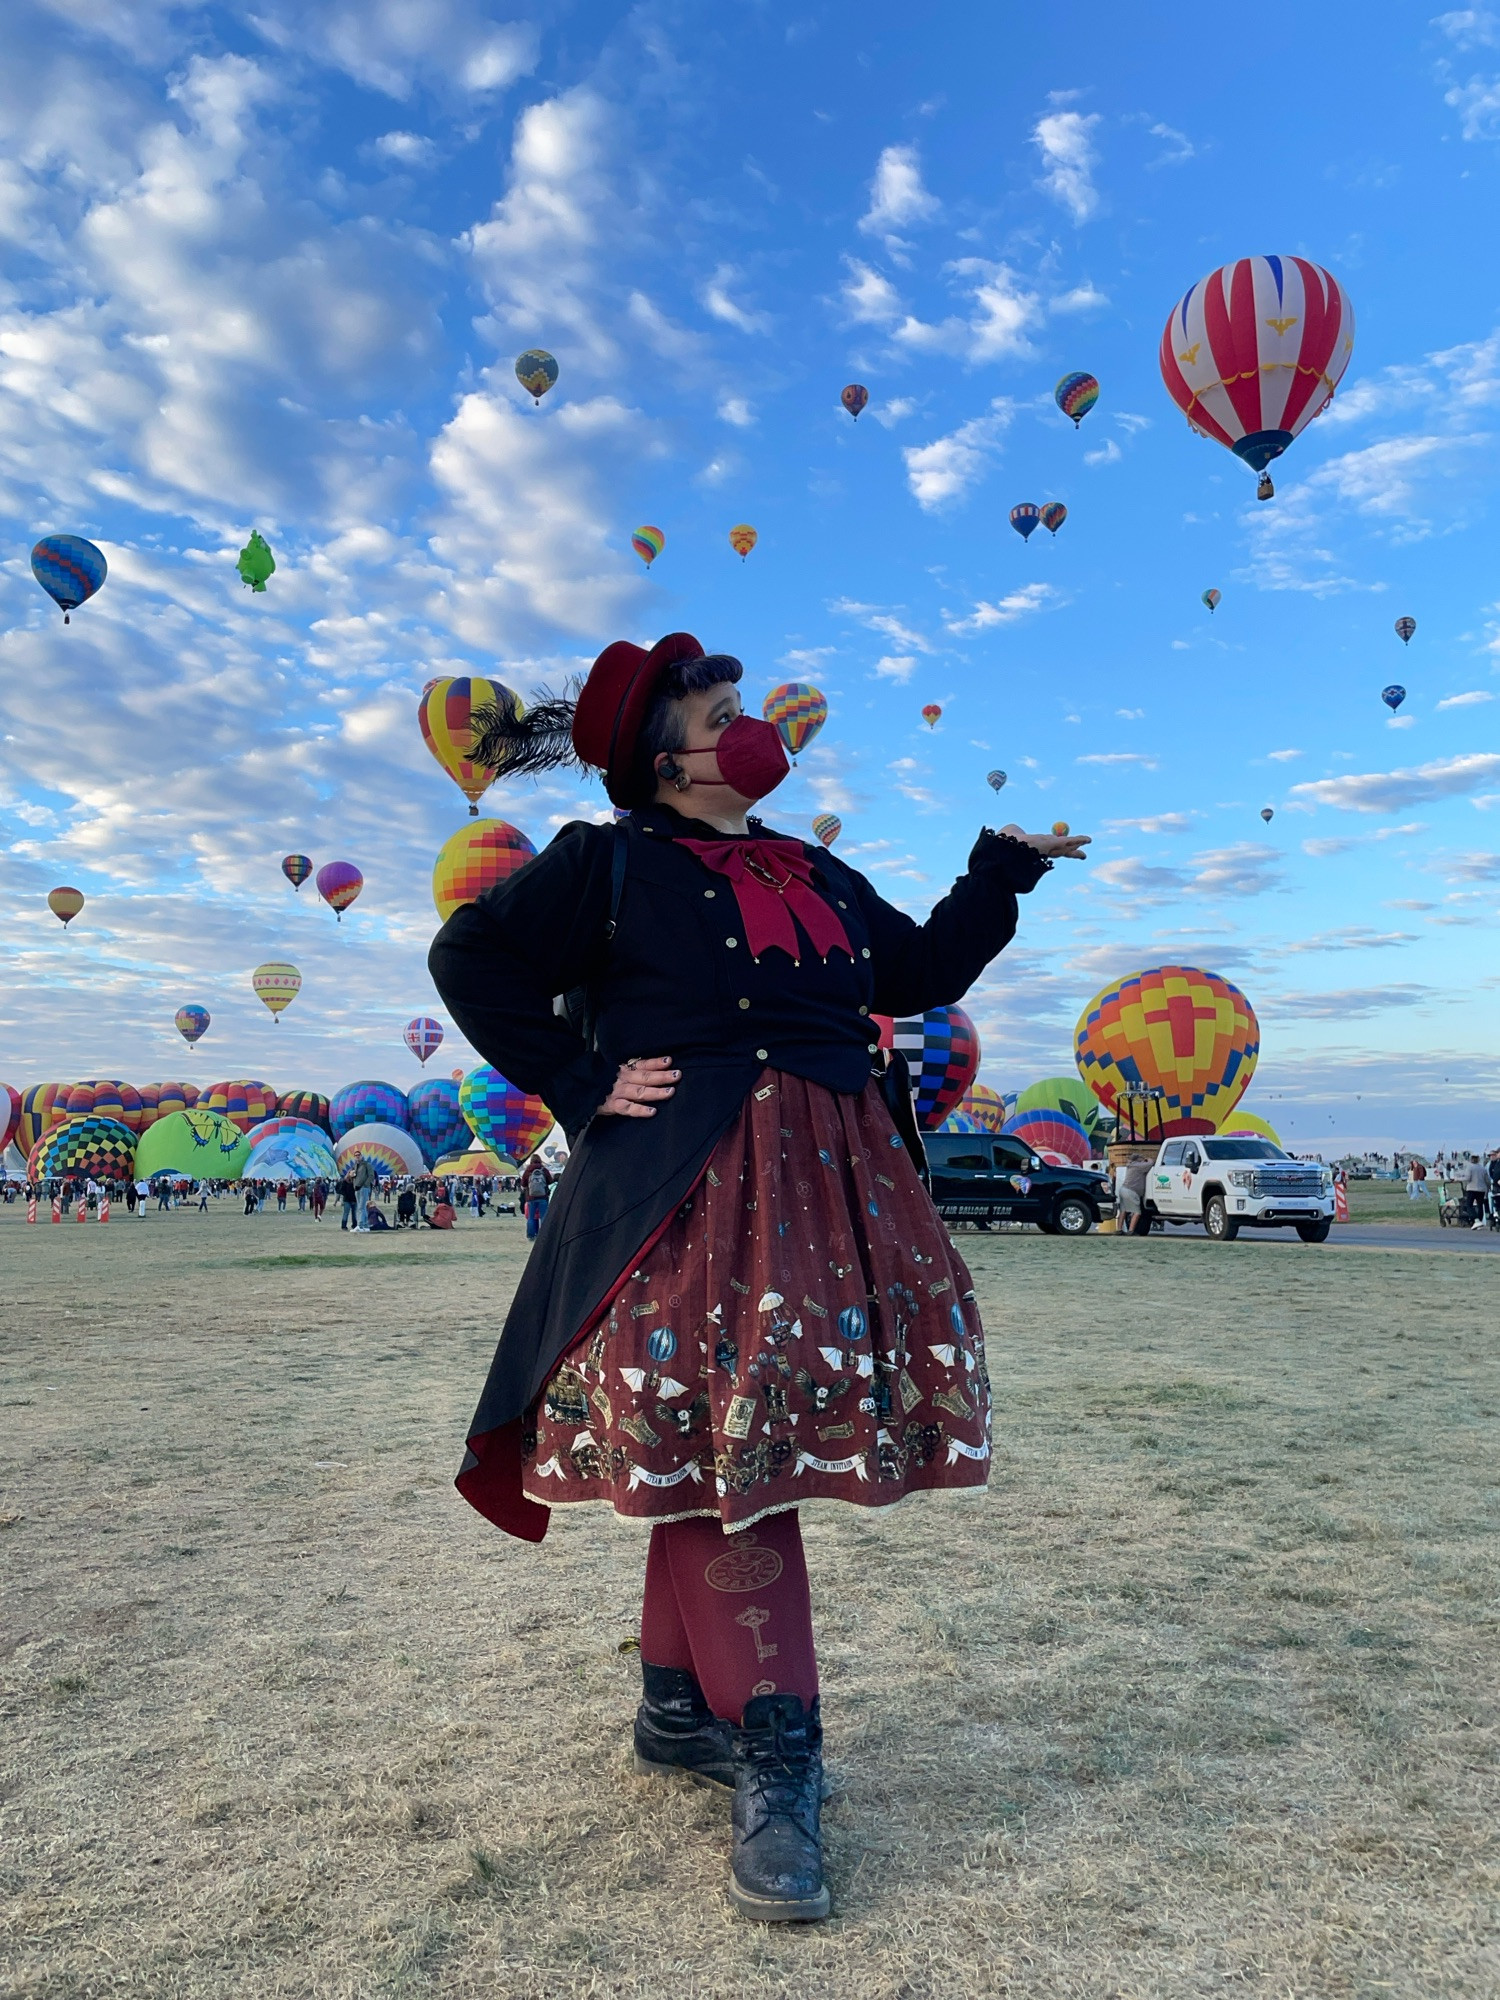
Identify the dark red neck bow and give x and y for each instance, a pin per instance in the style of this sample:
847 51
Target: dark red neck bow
772 880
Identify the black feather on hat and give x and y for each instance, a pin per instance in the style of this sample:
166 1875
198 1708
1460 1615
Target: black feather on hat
519 742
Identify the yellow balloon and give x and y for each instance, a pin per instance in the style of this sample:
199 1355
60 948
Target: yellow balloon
276 986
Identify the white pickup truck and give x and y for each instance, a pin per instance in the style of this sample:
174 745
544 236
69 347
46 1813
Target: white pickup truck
1230 1184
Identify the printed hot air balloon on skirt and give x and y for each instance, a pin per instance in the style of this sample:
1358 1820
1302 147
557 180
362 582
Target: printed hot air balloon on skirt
1025 519
446 714
69 569
101 1148
1405 627
424 1037
296 868
339 882
1254 351
1053 516
1213 599
854 396
1075 395
276 986
475 859
536 371
798 711
65 904
932 715
1174 1028
501 1117
435 1116
368 1102
827 827
742 539
648 544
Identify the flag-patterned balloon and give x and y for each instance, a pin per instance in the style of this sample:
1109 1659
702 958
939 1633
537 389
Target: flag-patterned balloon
854 396
798 711
296 868
827 827
366 1103
192 1022
985 1106
942 1052
83 1144
648 544
503 1118
1025 518
392 1148
475 859
1254 351
436 1116
1186 1032
310 1105
69 569
1075 395
43 1105
10 1114
424 1037
276 986
244 1101
1048 1131
107 1097
446 714
339 882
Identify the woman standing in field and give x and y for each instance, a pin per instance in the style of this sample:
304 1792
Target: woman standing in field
742 1298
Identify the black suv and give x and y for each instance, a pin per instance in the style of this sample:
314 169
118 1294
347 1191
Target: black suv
981 1177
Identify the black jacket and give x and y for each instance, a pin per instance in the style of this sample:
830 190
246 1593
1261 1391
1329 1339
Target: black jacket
677 980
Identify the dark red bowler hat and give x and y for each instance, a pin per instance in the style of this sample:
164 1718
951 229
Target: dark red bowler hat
613 702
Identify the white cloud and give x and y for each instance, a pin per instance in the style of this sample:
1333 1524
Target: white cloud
1353 937
1018 604
1179 148
1067 149
945 470
1470 27
1470 700
876 619
1141 757
735 410
1172 822
1389 791
898 199
869 296
1108 453
893 410
717 301
895 666
1082 298
391 45
995 327
408 149
1284 756
1353 1003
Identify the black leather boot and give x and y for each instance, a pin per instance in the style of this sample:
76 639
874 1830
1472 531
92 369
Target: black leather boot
777 1873
676 1730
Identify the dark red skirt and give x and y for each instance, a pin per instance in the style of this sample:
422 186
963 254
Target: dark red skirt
802 1330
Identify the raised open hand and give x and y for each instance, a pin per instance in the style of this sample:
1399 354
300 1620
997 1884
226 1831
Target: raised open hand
1054 846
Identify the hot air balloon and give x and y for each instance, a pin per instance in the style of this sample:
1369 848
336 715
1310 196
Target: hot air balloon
1393 696
69 569
276 986
392 1150
1188 1033
106 1097
1024 519
798 711
1268 813
291 1150
1254 351
478 1163
339 882
743 539
172 1097
501 1117
1053 516
1063 1094
101 1148
43 1105
65 904
648 544
1075 396
932 714
367 1103
827 827
193 1141
854 396
424 1037
985 1106
309 1106
1404 629
435 1116
296 868
942 1051
10 1114
192 1023
536 371
244 1101
1245 1125
1213 599
475 859
996 780
1049 1131
256 561
1061 828
446 714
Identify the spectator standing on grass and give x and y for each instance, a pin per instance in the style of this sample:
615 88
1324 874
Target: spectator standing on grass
1476 1191
346 1197
362 1179
536 1185
1416 1181
1133 1214
319 1198
757 960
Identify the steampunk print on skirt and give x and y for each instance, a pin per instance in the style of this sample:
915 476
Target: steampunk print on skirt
802 1330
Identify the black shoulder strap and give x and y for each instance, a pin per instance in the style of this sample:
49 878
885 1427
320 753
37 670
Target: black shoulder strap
616 878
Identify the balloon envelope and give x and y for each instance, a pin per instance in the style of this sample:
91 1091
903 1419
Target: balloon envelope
296 868
290 1149
83 1144
276 985
743 539
198 1142
984 1105
309 1105
339 882
996 780
1245 1125
243 1100
942 1050
423 1036
69 569
501 1117
854 396
10 1114
1024 519
393 1150
932 715
536 371
366 1103
1254 351
1066 1094
65 904
192 1023
1051 1132
1404 629
107 1097
256 561
648 544
436 1117
1213 599
1268 813
1176 1028
1393 696
1053 516
165 1098
446 715
827 827
1075 395
478 1164
43 1105
798 710
475 859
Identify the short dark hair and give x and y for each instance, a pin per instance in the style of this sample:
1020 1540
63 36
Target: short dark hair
665 726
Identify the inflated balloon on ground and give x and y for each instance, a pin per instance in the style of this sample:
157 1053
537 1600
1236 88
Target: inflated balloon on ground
244 1100
475 859
502 1117
43 1105
392 1149
199 1143
107 1097
1189 1033
1245 1125
369 1102
984 1105
70 569
1066 1094
83 1144
1050 1131
942 1051
10 1114
477 1164
290 1149
435 1116
310 1105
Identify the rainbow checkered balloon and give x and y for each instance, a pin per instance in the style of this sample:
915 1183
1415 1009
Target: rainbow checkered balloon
507 1120
1173 1028
84 1144
475 859
798 711
1075 395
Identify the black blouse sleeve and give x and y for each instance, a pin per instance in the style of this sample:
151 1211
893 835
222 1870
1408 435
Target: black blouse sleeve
498 964
919 966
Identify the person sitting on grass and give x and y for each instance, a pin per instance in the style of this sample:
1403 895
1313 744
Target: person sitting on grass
442 1216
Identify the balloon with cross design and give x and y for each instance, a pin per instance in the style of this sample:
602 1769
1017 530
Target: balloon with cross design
1176 1029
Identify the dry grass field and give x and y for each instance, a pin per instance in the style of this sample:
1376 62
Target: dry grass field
1200 1699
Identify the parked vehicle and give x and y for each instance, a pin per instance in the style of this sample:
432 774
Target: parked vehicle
980 1177
1242 1183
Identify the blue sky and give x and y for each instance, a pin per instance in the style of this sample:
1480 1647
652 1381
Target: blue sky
272 269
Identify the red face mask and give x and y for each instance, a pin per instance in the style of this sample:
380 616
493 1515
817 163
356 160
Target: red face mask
750 755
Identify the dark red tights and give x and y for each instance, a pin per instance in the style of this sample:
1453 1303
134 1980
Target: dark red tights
733 1610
